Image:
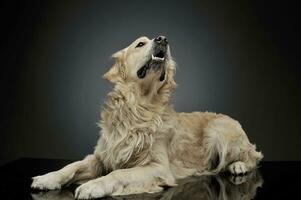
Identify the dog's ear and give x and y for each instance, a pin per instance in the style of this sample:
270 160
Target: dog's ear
116 73
113 74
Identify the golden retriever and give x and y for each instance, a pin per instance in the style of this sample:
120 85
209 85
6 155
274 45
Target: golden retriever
144 143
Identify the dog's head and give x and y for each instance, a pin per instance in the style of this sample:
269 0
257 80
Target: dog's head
146 63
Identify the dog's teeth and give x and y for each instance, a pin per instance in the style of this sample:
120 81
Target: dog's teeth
157 58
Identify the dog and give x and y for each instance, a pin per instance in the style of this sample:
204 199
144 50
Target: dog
144 144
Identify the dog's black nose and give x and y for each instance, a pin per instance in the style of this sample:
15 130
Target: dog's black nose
161 40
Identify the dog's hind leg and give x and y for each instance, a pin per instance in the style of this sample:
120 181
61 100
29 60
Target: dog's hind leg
86 169
226 142
245 161
237 168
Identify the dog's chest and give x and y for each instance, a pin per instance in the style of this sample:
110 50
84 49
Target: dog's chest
113 156
127 134
133 150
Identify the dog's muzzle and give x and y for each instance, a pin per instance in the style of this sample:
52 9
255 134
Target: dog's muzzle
157 60
160 48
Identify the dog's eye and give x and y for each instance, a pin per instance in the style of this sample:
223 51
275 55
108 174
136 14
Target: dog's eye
140 44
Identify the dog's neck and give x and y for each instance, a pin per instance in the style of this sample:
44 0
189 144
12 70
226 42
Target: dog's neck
126 100
137 95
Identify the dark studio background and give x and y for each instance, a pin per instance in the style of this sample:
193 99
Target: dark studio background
234 57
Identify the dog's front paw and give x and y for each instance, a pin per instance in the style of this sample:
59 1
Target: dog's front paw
237 168
90 190
50 181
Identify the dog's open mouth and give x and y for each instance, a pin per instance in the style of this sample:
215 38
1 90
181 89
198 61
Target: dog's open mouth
159 56
156 62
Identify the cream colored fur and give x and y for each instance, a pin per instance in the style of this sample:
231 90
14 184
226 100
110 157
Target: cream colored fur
145 144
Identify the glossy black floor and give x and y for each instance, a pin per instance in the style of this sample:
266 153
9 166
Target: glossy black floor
273 180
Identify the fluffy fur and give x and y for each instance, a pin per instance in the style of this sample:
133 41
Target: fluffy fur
144 143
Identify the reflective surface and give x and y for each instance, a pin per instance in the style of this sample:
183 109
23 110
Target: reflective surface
273 180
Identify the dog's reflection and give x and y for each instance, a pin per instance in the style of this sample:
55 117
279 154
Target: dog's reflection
65 194
220 187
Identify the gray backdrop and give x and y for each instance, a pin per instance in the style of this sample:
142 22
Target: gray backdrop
228 62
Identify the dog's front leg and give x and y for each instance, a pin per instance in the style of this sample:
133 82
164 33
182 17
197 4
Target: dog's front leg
86 169
135 180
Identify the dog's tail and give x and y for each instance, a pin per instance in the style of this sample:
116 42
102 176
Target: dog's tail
216 151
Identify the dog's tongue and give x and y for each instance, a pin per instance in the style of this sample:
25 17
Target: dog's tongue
141 73
162 77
